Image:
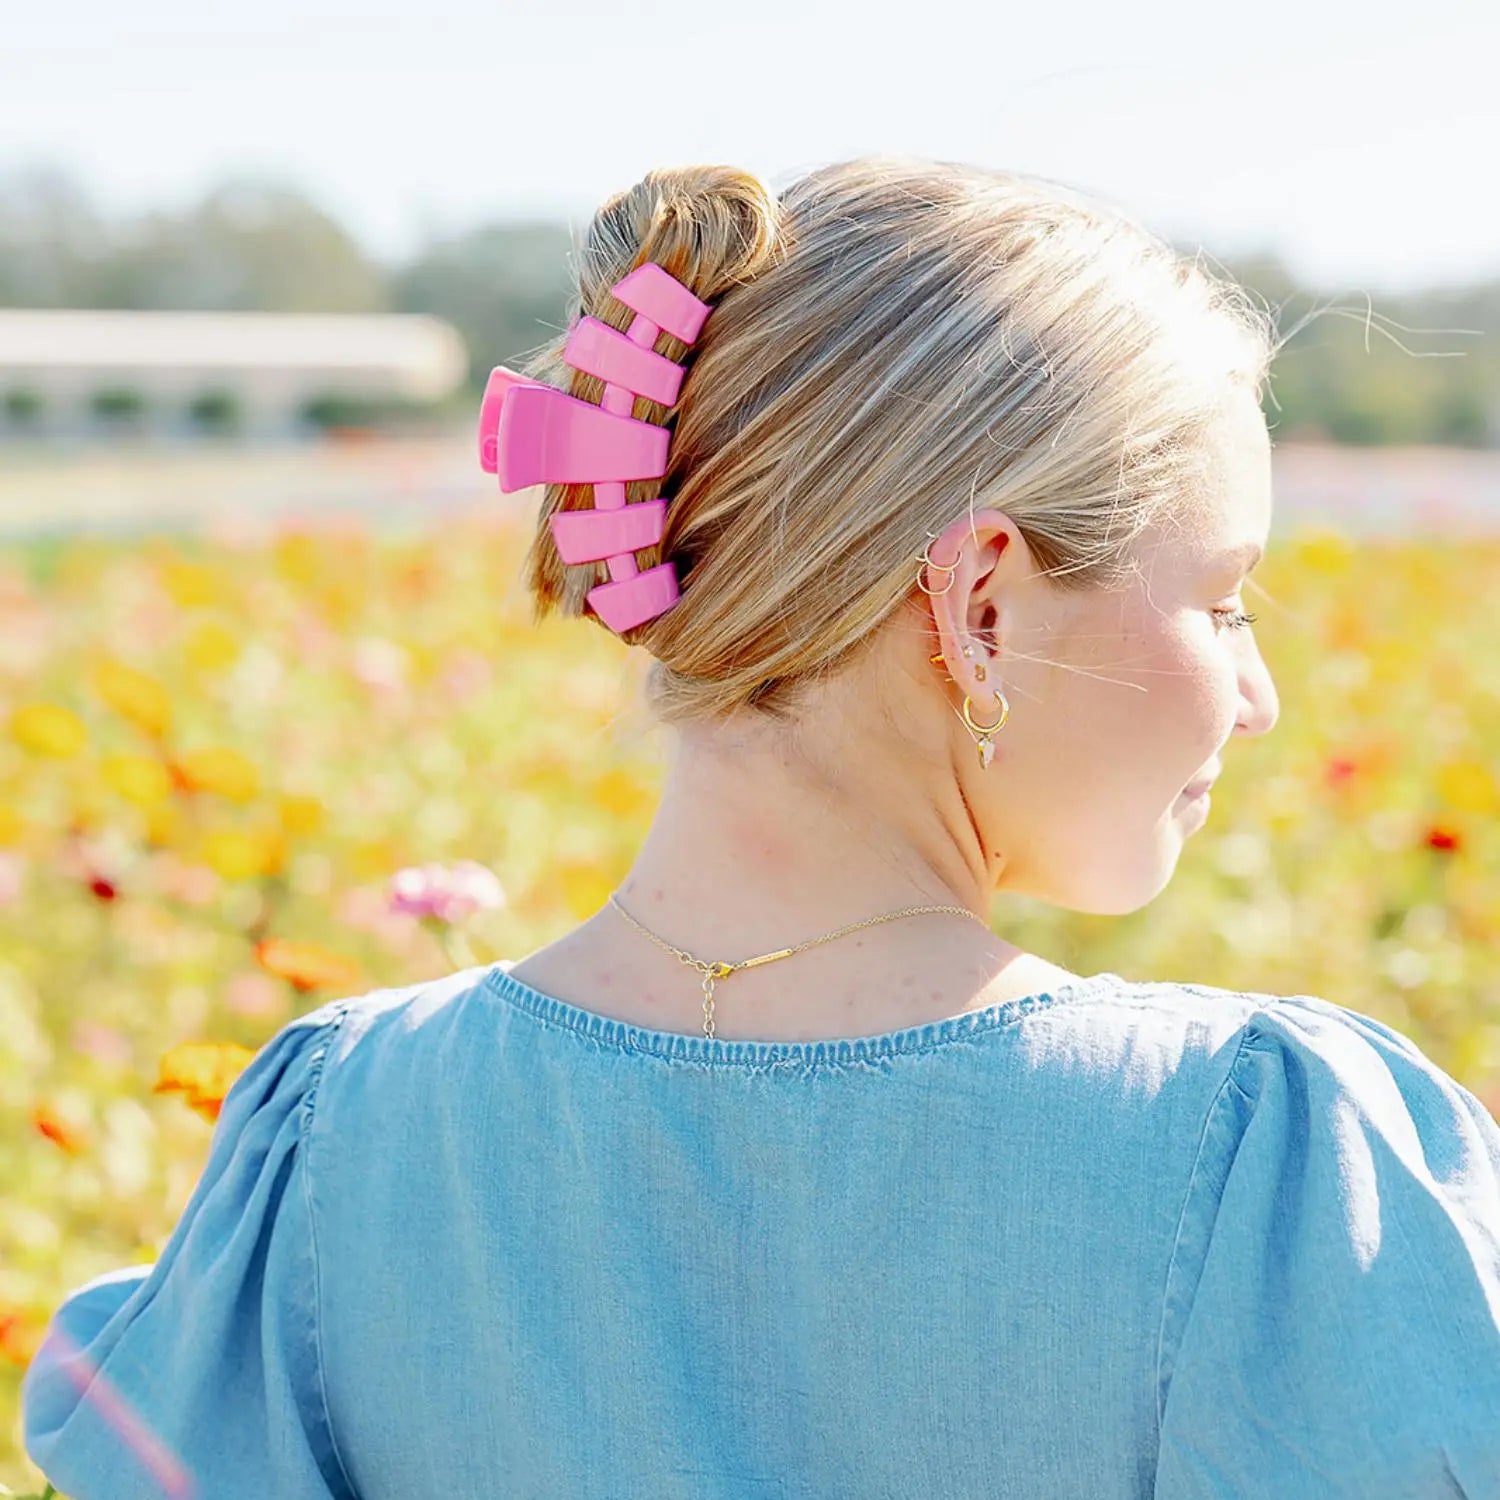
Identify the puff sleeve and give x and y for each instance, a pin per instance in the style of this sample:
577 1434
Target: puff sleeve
1331 1323
199 1375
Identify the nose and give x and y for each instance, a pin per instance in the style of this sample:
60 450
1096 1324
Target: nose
1262 707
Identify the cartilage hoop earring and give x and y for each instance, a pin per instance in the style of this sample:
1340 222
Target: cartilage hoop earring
927 562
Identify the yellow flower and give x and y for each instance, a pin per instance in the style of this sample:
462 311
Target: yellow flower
188 583
86 802
137 778
202 1072
244 854
134 696
48 729
585 887
273 848
621 795
211 646
298 558
12 826
218 768
341 601
371 859
1469 786
301 815
164 827
1326 552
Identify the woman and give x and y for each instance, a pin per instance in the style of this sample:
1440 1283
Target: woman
966 476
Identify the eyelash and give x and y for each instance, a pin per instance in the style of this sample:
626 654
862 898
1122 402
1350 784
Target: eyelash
1236 619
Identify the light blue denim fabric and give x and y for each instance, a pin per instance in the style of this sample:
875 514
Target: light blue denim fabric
1127 1239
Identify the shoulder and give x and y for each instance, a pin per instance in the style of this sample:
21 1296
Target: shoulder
1359 1078
1338 1167
371 1044
1246 1031
1168 1026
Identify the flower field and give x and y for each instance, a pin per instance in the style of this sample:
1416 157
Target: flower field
245 772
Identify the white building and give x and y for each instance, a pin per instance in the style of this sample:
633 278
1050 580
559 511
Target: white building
56 365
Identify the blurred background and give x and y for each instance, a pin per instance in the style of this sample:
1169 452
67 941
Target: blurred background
275 723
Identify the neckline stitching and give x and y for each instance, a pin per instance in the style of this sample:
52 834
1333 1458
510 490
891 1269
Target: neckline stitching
684 1047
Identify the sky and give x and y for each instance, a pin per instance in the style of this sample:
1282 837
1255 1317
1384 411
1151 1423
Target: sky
1356 140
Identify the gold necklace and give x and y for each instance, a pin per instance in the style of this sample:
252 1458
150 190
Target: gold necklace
712 971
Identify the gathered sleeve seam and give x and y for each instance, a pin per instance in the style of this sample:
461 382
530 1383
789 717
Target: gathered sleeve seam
316 1061
1176 1297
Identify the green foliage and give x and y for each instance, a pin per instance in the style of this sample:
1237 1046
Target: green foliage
506 287
1420 366
118 403
341 409
24 403
216 411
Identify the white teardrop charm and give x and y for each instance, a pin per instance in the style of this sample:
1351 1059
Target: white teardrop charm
986 752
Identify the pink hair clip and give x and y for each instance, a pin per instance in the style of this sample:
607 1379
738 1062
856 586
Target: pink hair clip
532 433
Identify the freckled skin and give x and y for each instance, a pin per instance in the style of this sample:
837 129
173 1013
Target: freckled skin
873 798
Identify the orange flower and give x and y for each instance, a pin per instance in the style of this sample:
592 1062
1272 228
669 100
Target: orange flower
306 966
20 1337
217 768
1445 840
52 1125
203 1073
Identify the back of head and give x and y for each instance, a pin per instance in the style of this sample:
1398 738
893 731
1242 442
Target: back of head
894 342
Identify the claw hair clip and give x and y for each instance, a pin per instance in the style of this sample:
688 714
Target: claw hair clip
532 433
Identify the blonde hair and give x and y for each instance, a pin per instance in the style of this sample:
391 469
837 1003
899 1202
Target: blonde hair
893 343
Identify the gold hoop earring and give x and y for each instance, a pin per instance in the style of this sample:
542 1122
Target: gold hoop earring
982 732
927 562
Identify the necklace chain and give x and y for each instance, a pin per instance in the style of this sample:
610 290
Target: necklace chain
712 971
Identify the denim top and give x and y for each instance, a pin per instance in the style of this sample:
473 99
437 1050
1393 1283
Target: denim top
1128 1238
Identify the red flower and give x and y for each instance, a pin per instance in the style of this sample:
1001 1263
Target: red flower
1444 839
1338 770
104 889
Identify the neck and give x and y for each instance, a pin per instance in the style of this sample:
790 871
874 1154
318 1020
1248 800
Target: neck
755 848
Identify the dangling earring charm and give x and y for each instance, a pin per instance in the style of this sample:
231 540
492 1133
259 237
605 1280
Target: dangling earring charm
982 732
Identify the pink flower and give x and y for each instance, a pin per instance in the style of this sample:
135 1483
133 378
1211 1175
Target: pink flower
467 673
193 884
364 908
12 873
102 1042
257 995
380 665
448 893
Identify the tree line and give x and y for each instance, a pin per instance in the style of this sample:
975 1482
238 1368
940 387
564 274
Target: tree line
1419 366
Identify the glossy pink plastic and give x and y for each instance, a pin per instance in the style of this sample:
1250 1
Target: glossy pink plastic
532 433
